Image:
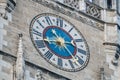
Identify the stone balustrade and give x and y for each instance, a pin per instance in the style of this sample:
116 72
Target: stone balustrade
93 10
87 7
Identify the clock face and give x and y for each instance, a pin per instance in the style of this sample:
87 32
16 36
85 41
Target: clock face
59 42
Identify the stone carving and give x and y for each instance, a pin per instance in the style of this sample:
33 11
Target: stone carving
39 75
20 64
93 10
59 8
116 57
72 3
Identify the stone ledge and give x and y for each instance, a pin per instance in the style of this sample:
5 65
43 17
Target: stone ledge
112 44
78 15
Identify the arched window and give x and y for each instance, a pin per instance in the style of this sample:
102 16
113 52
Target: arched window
118 6
109 4
90 0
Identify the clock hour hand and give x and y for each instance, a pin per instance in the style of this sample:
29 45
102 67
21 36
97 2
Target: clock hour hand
75 59
71 42
48 40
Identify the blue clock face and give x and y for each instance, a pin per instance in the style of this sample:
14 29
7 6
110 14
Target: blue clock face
59 42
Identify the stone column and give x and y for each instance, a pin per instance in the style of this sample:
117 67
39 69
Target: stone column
114 4
111 48
110 43
82 5
103 14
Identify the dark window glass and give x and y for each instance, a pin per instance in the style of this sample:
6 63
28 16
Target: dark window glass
118 6
109 4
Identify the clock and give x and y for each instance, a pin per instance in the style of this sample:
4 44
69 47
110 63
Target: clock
59 42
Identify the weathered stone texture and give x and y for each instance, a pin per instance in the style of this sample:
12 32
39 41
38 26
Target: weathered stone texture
5 69
22 17
111 16
24 12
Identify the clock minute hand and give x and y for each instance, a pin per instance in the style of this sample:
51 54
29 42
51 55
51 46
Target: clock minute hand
75 59
54 32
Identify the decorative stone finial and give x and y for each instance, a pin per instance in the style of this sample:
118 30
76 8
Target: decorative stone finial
20 63
39 75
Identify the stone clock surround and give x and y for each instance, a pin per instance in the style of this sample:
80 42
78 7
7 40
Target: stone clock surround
22 17
52 23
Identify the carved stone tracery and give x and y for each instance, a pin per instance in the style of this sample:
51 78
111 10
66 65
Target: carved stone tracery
93 10
72 3
74 15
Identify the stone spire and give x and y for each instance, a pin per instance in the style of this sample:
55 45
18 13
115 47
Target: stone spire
20 63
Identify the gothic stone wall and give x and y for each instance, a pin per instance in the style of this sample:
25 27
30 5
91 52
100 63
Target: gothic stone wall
25 11
7 69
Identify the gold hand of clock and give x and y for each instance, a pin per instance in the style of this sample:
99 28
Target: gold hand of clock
75 59
59 41
48 40
71 42
54 32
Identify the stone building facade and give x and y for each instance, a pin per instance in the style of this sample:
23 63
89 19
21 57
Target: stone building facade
97 20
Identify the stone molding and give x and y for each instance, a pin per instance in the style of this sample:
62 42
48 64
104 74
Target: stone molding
71 13
112 44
